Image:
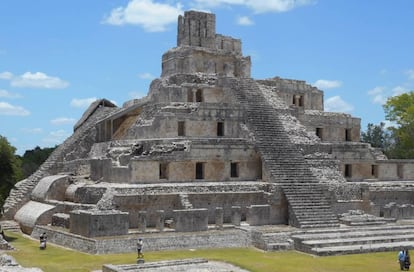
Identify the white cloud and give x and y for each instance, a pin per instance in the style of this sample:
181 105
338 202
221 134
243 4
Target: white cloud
336 104
56 137
410 74
38 80
32 130
258 6
8 109
6 94
377 95
63 121
150 15
82 102
245 21
6 75
327 84
146 76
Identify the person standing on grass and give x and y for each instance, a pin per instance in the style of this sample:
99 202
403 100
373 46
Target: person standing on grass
140 244
407 260
401 259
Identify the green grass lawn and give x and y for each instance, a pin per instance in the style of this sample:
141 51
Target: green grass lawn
58 259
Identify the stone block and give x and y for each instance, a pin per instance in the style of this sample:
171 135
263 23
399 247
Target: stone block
142 221
61 220
34 213
160 218
236 215
191 220
258 215
51 187
219 217
97 223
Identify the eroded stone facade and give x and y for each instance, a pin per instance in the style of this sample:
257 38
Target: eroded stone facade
209 145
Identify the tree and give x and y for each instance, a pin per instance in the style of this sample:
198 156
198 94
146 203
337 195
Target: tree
375 135
400 110
32 159
10 171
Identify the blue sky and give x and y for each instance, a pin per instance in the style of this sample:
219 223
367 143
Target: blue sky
56 57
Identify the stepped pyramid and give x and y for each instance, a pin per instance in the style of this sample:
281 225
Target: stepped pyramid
210 145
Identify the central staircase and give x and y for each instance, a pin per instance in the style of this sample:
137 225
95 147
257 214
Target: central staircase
308 206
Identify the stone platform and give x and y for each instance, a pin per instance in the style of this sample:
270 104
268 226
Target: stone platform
189 265
168 240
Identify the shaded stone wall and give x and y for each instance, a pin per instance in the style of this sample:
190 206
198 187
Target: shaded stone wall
211 201
133 204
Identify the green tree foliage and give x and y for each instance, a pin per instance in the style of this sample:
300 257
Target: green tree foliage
376 135
10 171
32 159
380 137
400 110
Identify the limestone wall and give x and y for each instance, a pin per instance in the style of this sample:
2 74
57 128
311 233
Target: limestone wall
97 223
196 29
193 93
333 127
217 157
190 60
133 204
127 244
395 170
296 93
226 200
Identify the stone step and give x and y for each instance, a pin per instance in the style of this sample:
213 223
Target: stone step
354 239
364 248
283 159
10 225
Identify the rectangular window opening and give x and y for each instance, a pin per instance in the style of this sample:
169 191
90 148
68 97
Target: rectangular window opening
199 95
163 170
348 170
234 170
220 129
319 132
199 170
301 101
181 128
400 171
374 170
348 135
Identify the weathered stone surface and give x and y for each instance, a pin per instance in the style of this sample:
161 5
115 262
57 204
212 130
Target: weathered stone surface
97 223
258 215
191 220
34 213
210 145
51 187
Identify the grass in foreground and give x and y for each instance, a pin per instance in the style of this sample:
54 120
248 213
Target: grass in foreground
58 259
